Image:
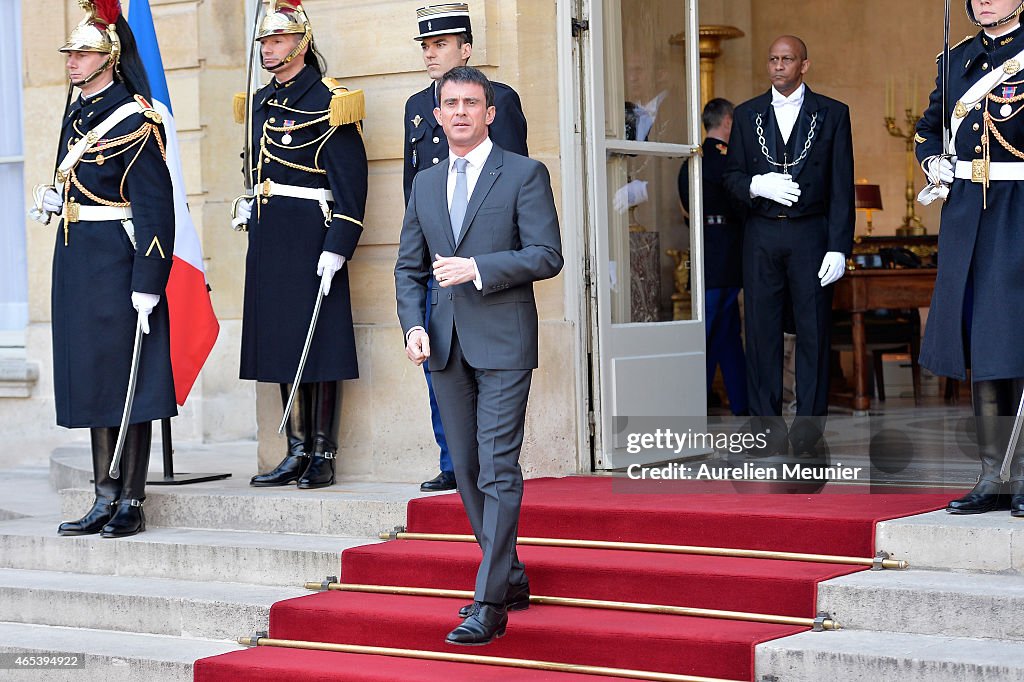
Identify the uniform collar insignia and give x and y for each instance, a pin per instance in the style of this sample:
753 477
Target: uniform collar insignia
416 121
722 148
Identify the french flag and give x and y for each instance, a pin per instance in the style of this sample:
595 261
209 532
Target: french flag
194 326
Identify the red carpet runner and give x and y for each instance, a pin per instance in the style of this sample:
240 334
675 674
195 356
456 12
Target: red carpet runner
587 508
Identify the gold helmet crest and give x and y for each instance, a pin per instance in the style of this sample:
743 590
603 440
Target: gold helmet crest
286 17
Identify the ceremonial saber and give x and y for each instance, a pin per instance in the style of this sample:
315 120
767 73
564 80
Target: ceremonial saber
302 358
945 80
1011 447
133 377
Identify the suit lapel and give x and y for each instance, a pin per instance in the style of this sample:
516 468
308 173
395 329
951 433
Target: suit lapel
489 174
811 106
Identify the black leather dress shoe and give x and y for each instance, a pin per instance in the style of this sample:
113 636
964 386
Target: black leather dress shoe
987 496
443 481
129 519
487 623
517 598
287 472
92 522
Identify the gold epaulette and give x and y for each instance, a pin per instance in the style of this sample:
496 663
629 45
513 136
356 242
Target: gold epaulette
347 106
239 105
953 47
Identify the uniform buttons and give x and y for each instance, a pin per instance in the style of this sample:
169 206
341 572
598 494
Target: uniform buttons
264 201
412 140
977 107
435 160
977 149
272 120
436 140
976 126
985 65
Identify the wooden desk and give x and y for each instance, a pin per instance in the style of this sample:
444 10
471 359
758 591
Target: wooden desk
862 290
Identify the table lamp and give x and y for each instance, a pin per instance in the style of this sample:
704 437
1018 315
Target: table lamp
867 198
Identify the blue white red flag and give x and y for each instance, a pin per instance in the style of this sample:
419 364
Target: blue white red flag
194 326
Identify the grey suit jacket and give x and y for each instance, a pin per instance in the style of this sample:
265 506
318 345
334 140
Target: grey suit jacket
511 230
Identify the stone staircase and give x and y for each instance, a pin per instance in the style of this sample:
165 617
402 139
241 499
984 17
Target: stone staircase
213 560
955 615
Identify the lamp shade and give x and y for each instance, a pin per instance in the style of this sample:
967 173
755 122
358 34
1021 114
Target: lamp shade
867 197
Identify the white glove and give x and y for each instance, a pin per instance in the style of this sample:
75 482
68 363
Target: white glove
778 187
52 201
241 211
833 266
939 169
629 195
329 264
144 303
932 192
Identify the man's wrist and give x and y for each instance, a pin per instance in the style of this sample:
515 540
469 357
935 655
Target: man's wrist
409 333
477 281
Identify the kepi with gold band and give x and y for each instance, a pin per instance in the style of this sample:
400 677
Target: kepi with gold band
309 179
112 258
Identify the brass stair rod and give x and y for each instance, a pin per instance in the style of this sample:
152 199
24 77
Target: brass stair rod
878 562
820 623
480 660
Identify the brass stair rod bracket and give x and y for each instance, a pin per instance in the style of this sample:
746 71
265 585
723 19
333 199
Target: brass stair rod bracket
882 561
824 621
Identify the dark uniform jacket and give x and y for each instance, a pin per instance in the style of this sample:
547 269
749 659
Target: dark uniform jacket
96 268
980 249
825 174
425 142
723 231
296 145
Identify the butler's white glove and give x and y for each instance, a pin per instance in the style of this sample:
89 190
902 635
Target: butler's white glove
778 187
52 202
629 195
241 211
833 265
46 202
328 264
144 303
939 169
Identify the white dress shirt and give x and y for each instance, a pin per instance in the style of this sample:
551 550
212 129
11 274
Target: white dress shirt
475 161
787 109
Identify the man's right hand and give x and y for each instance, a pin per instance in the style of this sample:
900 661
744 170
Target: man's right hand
417 346
52 201
777 187
939 169
241 211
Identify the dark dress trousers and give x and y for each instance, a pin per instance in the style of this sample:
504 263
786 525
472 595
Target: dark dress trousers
426 145
483 343
296 145
98 268
978 303
783 247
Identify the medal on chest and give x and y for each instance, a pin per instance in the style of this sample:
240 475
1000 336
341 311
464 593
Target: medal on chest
287 137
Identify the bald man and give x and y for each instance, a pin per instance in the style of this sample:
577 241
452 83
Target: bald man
790 167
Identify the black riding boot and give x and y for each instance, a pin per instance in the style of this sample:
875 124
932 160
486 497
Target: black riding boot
992 400
300 440
129 518
107 489
326 418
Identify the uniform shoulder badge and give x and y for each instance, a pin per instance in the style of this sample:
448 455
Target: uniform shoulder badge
919 139
238 106
722 148
953 47
147 110
416 121
347 106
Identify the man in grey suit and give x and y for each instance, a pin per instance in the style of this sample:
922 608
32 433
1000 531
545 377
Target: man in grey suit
501 236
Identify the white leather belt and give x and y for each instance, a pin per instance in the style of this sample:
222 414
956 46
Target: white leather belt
269 188
77 213
997 170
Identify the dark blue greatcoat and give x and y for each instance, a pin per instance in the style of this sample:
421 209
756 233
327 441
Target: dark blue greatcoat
96 271
287 235
980 249
425 142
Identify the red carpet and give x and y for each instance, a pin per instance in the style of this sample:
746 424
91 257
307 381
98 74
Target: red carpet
588 508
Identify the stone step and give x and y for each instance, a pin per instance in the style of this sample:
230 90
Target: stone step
25 491
990 543
223 556
108 656
858 655
158 606
928 603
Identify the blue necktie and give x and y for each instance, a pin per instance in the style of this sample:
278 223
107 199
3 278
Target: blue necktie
460 198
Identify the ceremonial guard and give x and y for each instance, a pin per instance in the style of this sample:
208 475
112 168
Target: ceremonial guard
978 304
446 39
307 167
113 254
